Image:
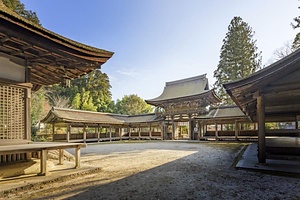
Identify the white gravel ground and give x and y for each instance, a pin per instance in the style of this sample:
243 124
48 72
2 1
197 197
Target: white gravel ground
167 170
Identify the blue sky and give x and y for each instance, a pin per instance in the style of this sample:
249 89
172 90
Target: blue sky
156 41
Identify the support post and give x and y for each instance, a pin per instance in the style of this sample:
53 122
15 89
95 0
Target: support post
139 132
216 131
68 132
129 133
110 133
27 105
98 132
121 133
150 132
261 129
199 130
191 132
84 133
173 128
61 156
162 131
77 157
236 130
43 163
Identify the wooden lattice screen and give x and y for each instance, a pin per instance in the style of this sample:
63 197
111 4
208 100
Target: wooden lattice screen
12 112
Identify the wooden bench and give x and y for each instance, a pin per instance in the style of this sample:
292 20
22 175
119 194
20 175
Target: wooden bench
43 148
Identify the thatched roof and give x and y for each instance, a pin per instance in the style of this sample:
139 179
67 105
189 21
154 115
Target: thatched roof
50 56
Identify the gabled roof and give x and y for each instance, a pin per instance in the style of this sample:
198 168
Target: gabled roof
185 89
50 55
57 115
225 113
279 83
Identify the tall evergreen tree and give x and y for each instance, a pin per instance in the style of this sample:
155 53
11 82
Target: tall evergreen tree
238 58
296 25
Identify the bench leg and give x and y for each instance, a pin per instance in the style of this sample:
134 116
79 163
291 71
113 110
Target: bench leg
61 156
77 157
43 163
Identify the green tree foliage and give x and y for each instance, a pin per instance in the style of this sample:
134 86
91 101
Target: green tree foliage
37 111
84 101
19 8
132 105
89 92
239 57
296 25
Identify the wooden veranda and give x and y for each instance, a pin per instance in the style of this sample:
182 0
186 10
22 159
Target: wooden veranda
85 126
270 95
30 57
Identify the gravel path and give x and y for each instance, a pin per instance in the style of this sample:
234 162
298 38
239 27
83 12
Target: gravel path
167 170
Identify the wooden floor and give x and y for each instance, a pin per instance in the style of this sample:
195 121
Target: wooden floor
283 146
43 148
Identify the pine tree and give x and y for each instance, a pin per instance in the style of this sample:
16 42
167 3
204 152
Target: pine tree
296 42
238 58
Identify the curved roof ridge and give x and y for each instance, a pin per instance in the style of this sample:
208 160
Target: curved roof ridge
186 80
87 111
267 71
182 88
43 31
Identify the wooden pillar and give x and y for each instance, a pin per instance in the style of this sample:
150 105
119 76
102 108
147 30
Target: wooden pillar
27 105
61 156
261 129
121 133
191 132
216 131
77 157
110 133
199 130
53 131
150 132
140 132
98 132
201 127
236 130
162 131
68 132
173 128
84 133
43 163
204 129
129 132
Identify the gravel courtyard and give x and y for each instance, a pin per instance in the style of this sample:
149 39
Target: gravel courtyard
167 170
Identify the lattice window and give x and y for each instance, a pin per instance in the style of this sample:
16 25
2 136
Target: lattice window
12 112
